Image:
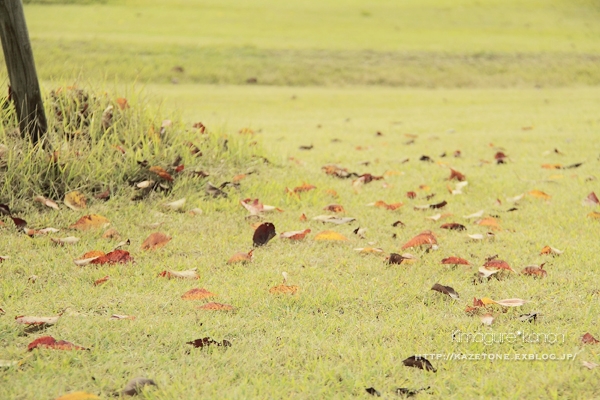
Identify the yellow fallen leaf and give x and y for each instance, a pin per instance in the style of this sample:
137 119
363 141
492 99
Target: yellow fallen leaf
330 236
75 201
78 396
281 289
539 194
594 214
486 301
89 222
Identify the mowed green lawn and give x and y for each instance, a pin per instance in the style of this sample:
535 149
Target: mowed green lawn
355 317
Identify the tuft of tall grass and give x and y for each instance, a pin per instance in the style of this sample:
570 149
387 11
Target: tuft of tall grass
96 141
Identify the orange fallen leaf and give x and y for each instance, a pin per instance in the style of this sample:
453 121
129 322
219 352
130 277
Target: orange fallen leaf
496 264
111 234
39 321
534 270
303 217
197 294
50 343
75 201
332 193
216 307
330 236
90 221
283 289
295 235
238 178
155 241
489 221
551 250
552 166
336 208
589 339
384 205
424 238
101 281
114 257
539 194
241 258
122 103
591 200
594 214
455 261
305 187
78 396
161 172
454 174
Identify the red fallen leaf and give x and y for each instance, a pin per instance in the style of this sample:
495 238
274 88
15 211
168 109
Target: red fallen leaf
411 195
101 281
478 302
263 234
500 157
197 294
295 235
336 208
103 195
50 343
589 339
20 223
498 264
534 270
454 226
455 261
114 257
162 173
216 307
591 200
423 238
454 174
179 168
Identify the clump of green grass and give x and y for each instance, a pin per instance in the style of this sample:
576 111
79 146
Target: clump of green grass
97 142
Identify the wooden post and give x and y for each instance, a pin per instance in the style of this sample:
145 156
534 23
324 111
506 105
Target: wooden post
24 87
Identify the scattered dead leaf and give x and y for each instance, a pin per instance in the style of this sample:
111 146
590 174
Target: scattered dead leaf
295 235
419 362
155 241
197 294
114 257
330 236
49 342
284 289
455 261
425 238
90 222
160 171
216 307
445 290
241 258
187 274
75 201
589 339
539 194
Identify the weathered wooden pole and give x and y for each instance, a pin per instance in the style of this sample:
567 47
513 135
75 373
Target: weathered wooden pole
24 86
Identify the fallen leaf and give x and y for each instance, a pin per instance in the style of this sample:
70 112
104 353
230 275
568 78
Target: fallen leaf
510 302
284 289
589 339
187 274
528 317
373 392
155 241
89 222
455 261
485 272
176 205
216 307
50 343
240 258
305 187
119 317
197 294
295 235
66 240
101 281
78 396
40 321
498 264
111 234
160 171
75 201
539 194
454 174
206 341
384 205
418 362
445 290
551 250
589 365
135 386
489 221
330 236
487 319
114 257
552 166
534 270
263 234
425 238
591 200
46 202
333 219
594 214
122 103
474 215
454 226
369 250
336 208
19 223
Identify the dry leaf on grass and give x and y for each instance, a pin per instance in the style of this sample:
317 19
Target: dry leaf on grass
78 396
534 270
295 235
101 281
197 294
386 206
175 205
454 226
284 289
114 257
336 208
136 385
215 307
445 290
89 222
539 194
39 321
49 342
207 341
187 274
161 172
419 362
66 240
455 261
241 258
333 219
487 319
119 317
591 200
589 339
155 241
330 236
425 238
551 250
46 202
75 201
263 234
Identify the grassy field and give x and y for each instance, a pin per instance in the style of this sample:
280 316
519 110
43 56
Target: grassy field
355 317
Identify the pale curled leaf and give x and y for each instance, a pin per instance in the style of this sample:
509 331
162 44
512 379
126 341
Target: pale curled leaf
36 320
187 274
46 202
66 240
176 205
333 219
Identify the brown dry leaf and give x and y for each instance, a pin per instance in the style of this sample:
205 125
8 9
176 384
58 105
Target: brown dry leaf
241 258
454 174
75 201
92 254
330 236
489 221
305 187
295 235
455 261
49 342
384 205
589 339
534 270
425 238
216 307
187 274
495 264
591 200
197 294
510 302
539 194
90 221
445 290
551 250
552 166
101 281
46 202
594 214
122 103
303 217
454 226
66 240
111 234
114 257
160 171
336 208
284 289
39 321
332 193
78 396
155 241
